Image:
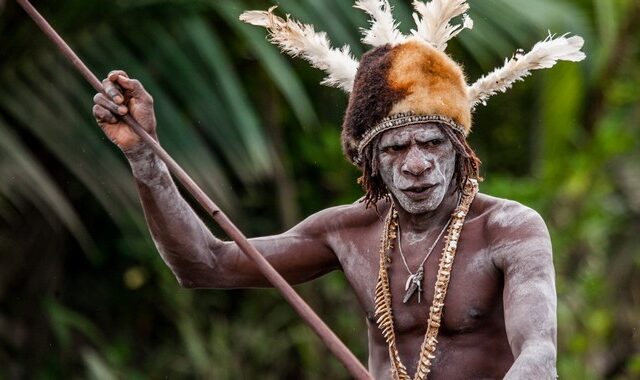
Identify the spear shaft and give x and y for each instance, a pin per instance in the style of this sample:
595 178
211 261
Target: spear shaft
352 364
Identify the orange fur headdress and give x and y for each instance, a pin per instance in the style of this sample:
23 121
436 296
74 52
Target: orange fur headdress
406 80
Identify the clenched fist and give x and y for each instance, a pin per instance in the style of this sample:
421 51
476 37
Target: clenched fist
124 95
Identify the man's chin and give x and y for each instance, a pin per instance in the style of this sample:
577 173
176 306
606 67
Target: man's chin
418 206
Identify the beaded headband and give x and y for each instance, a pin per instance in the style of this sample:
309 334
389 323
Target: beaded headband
403 120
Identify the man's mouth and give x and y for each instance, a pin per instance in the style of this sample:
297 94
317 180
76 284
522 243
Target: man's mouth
417 191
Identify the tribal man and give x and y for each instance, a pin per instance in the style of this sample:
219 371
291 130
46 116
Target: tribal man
455 284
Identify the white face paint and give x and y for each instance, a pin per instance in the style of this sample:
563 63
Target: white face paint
417 164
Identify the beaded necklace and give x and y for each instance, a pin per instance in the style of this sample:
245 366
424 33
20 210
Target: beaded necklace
383 310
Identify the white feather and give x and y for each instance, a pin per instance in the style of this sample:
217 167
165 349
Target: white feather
299 39
543 55
384 29
432 21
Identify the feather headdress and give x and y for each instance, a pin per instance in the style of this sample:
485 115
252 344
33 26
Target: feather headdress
543 55
384 29
299 39
407 79
432 21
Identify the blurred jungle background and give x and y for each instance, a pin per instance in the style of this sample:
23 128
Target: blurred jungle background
83 293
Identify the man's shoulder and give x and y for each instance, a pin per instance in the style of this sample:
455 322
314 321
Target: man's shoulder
513 231
506 219
348 216
502 210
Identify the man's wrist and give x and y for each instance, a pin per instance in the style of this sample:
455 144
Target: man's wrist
137 151
145 164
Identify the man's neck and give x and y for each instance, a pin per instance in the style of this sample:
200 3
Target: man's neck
432 220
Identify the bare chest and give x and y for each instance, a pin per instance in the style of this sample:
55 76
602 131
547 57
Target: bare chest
474 297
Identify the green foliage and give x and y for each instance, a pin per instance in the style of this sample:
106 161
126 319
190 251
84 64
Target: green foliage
83 294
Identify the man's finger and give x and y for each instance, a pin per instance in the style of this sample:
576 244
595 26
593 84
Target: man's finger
111 87
113 91
132 85
105 102
103 115
113 75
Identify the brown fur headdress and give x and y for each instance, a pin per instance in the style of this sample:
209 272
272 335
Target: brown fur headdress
405 80
396 86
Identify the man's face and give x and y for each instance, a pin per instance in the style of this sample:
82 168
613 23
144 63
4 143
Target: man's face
417 164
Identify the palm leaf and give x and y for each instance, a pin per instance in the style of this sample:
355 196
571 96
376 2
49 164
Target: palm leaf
27 180
278 67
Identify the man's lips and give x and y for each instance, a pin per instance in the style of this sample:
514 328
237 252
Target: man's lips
417 191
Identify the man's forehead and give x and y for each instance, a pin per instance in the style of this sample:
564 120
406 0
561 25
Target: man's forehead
423 130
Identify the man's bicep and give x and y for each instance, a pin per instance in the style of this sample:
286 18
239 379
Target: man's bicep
299 255
529 286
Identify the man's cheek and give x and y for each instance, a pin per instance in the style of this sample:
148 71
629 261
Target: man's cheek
448 168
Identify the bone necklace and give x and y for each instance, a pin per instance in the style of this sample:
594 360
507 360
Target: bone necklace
383 310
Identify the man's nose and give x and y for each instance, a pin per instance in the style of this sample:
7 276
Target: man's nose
416 162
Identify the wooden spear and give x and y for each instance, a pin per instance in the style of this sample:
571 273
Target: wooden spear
355 368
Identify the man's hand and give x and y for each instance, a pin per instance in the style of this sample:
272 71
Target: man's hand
124 95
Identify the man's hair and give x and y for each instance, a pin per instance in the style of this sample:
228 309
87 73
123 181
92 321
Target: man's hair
467 167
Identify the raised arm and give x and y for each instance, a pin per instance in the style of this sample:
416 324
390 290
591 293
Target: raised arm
523 252
196 257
